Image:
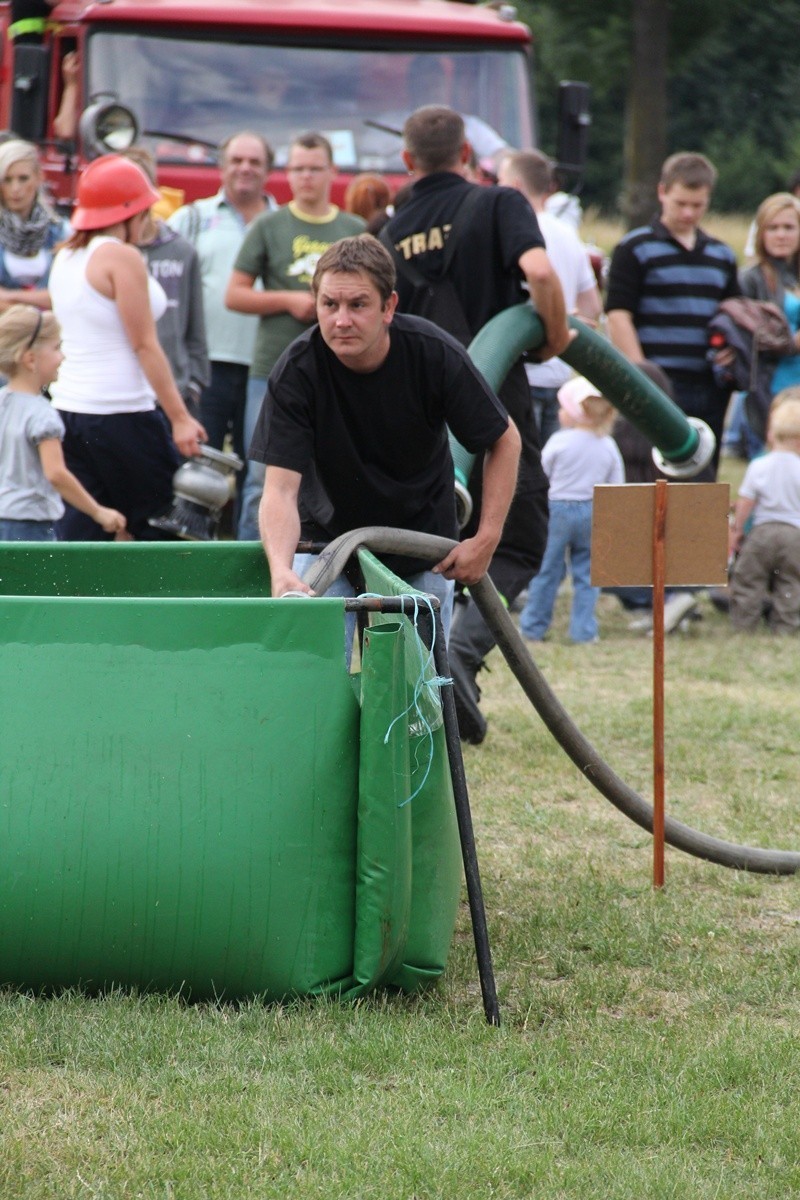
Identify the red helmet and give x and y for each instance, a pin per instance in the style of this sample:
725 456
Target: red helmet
111 189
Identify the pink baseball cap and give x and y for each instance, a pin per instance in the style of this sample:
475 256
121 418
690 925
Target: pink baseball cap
572 394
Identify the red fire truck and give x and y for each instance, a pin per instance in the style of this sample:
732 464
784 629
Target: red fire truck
181 75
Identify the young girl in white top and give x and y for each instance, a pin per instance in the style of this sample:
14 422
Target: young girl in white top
33 475
576 458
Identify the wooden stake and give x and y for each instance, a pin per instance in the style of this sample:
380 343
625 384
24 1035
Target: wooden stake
659 570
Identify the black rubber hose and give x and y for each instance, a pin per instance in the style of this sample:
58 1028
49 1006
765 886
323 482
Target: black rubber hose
556 718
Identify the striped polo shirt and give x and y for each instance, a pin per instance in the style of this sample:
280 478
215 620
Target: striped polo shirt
672 293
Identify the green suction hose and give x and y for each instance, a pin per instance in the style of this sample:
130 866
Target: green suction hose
682 445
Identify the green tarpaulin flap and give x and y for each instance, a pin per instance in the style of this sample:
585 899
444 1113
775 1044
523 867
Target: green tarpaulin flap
436 853
383 864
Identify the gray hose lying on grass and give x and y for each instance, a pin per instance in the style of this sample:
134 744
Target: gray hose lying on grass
426 546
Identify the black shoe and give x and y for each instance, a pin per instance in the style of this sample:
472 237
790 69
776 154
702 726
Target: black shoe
471 721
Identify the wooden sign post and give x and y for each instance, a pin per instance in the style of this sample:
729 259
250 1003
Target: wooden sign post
657 535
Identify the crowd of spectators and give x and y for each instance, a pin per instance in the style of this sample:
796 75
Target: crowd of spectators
170 330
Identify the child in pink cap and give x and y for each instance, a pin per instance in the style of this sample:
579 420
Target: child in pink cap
581 454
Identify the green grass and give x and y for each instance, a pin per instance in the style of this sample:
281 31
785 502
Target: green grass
649 1045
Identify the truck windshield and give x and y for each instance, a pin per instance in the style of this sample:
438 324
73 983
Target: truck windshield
183 89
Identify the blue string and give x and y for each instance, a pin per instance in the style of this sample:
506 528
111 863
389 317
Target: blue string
422 685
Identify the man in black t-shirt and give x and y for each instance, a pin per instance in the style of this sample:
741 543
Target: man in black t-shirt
359 407
499 248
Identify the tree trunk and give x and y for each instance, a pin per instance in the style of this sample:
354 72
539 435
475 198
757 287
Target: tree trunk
646 110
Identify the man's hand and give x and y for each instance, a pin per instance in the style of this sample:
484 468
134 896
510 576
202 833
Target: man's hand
110 520
70 69
187 434
287 581
467 562
556 344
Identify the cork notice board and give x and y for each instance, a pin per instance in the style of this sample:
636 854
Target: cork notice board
696 534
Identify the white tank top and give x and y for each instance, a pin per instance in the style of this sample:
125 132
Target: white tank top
100 373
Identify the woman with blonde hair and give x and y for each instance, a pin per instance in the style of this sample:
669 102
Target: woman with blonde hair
775 275
30 229
114 370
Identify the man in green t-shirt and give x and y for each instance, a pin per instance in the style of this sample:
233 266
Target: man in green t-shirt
282 249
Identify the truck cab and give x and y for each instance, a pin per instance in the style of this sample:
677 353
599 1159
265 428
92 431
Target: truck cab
182 75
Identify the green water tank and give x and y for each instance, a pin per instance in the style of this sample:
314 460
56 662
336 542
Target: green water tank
196 796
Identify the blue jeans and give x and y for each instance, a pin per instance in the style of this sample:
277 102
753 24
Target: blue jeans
709 403
739 437
254 472
545 407
222 405
569 534
26 531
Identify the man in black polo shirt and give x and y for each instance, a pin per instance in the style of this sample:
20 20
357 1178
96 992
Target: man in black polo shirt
499 250
356 434
665 283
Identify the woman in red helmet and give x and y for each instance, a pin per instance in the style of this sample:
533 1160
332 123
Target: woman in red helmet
114 370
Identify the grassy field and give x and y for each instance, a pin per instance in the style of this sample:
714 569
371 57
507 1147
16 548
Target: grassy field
649 1045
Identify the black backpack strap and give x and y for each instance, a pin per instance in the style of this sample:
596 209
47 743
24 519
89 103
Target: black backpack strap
462 216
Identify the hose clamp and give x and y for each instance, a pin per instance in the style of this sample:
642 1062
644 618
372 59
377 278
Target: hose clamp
700 457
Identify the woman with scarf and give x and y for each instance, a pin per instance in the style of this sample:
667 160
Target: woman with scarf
776 274
30 230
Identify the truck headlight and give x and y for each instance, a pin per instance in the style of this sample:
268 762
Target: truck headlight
107 127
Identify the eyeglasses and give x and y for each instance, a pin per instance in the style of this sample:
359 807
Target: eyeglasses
306 170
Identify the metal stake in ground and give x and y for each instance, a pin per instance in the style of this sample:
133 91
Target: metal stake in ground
659 571
469 853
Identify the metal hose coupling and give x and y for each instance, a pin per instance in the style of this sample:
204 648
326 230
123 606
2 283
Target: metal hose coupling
700 456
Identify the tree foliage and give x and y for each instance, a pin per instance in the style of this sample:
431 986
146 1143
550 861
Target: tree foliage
733 88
